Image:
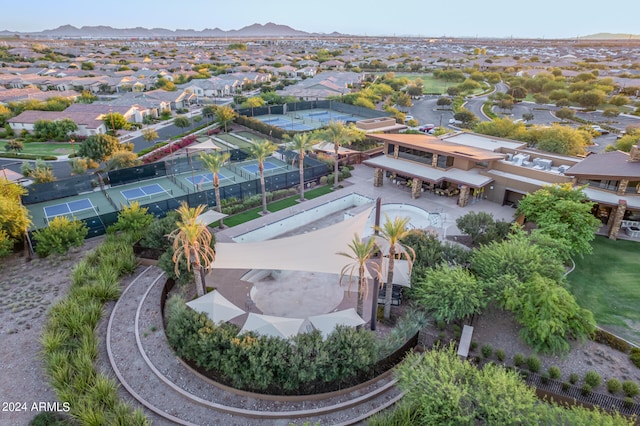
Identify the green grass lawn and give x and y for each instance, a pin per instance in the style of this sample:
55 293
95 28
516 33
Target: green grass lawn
273 207
607 282
45 148
431 85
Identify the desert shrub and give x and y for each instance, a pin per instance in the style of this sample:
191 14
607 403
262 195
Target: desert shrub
544 378
554 372
573 378
585 390
610 340
565 386
133 219
519 360
156 234
48 418
403 414
473 346
487 351
60 236
406 327
500 355
634 357
630 388
324 180
457 331
593 379
534 364
627 402
614 385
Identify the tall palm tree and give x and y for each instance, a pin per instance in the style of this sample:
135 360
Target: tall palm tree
360 254
393 232
261 151
338 134
214 162
192 241
302 143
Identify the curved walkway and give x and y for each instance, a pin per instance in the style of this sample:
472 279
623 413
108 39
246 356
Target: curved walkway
147 368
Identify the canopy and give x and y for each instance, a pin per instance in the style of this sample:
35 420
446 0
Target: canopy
208 144
216 307
401 274
268 325
314 251
326 323
210 216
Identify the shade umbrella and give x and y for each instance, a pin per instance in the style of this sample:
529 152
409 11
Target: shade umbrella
216 307
401 273
326 323
268 325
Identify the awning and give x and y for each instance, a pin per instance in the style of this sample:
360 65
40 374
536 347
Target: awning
267 325
216 307
210 216
326 323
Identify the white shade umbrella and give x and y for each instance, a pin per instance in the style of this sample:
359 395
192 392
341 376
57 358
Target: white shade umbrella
268 325
216 307
401 273
326 323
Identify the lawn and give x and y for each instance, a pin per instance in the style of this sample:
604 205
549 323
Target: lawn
44 148
431 85
273 207
607 282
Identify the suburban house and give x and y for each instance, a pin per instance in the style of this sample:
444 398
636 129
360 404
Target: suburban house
88 123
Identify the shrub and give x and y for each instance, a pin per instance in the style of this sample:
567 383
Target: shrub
48 418
544 378
534 364
473 346
554 372
500 355
614 385
457 331
323 180
133 219
519 360
60 236
593 379
487 351
627 402
573 378
610 340
565 386
585 390
630 388
634 357
441 325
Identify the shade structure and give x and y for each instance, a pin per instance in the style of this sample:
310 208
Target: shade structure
206 145
314 251
210 216
326 323
267 325
216 307
401 274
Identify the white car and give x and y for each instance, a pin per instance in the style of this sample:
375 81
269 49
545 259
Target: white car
408 118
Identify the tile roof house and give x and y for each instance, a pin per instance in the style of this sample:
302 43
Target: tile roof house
88 123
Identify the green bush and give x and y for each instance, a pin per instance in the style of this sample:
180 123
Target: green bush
630 388
324 180
544 378
473 346
554 372
48 418
519 360
614 385
634 357
487 351
593 379
156 234
565 386
610 340
534 364
573 378
585 390
60 236
500 355
627 402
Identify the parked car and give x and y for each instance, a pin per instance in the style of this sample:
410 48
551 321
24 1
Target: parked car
427 128
599 129
408 118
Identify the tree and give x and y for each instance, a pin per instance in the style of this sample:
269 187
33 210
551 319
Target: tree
115 121
560 139
60 236
208 111
444 101
123 160
14 217
466 117
86 97
302 143
360 253
393 232
87 66
5 114
592 99
214 163
101 147
563 213
338 134
482 228
253 102
261 151
528 116
619 100
181 121
565 114
225 116
414 90
518 93
14 145
449 293
42 175
149 134
133 219
192 242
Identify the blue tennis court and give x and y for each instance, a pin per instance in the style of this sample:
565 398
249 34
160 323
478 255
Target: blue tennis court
204 178
68 208
142 192
254 168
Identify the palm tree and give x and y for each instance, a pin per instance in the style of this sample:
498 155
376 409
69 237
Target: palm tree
214 162
360 254
393 232
302 142
192 241
338 134
261 151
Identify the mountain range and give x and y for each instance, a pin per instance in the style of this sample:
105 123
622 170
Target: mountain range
100 31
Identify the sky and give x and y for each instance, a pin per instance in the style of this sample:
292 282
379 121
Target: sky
458 18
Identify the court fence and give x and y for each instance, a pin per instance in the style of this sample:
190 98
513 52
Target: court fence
62 188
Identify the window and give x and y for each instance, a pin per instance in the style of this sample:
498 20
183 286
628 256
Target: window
444 161
415 155
609 185
390 148
633 187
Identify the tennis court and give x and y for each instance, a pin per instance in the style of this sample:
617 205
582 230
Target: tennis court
145 192
204 178
69 208
254 168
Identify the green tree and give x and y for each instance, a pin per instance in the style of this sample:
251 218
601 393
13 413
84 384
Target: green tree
182 122
14 217
123 160
338 134
86 97
42 175
192 243
482 228
414 90
132 219
592 99
563 213
87 66
444 101
14 145
619 100
393 232
253 102
449 293
214 162
5 114
466 117
528 116
115 121
101 147
225 116
360 253
60 236
149 134
302 143
560 139
261 151
565 114
518 93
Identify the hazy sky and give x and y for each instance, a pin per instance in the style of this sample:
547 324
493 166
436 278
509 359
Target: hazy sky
463 18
